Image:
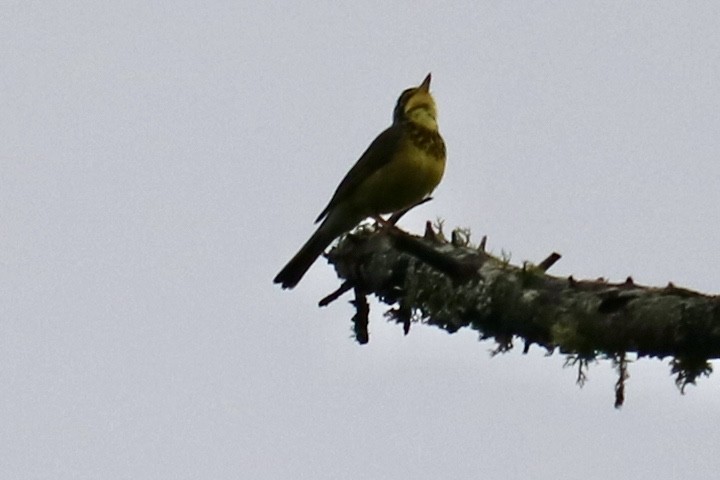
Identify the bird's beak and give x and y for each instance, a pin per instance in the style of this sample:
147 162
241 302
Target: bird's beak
425 85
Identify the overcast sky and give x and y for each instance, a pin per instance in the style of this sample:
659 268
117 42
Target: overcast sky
161 161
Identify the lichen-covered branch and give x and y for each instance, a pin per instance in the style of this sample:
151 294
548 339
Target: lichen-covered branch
453 285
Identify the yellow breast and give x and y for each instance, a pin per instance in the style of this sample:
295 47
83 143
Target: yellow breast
416 168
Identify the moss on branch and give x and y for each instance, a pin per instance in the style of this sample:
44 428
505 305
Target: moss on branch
453 285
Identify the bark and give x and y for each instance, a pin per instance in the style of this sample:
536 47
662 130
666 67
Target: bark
454 285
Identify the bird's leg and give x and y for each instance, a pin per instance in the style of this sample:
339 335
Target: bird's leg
395 217
381 222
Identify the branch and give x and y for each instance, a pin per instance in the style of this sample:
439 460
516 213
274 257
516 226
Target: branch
455 285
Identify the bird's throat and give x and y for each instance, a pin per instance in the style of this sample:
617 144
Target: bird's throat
423 117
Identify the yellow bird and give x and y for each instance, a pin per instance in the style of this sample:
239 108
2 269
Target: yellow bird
401 166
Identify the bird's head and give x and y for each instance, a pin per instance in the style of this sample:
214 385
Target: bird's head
416 105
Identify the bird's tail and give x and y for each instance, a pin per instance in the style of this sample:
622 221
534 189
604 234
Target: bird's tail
291 274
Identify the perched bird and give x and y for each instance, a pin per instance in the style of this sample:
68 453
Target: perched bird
401 166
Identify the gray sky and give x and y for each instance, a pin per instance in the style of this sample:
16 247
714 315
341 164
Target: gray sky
162 160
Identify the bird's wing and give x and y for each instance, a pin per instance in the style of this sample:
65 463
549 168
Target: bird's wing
377 155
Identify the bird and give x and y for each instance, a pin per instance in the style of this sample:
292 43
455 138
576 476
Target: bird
401 167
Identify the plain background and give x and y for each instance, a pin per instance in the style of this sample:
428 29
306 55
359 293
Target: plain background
160 161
